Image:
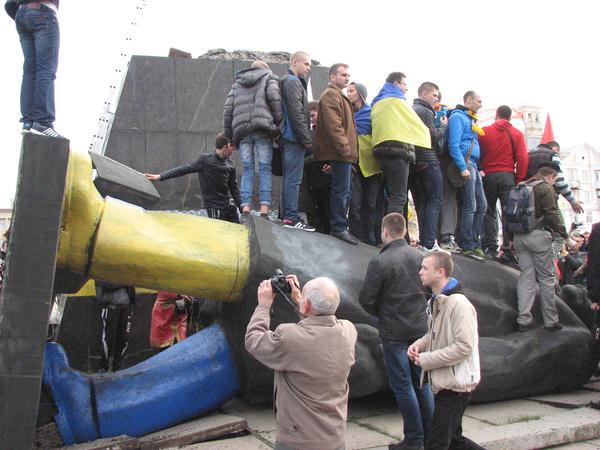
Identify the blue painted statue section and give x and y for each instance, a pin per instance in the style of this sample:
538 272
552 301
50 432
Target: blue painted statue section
189 379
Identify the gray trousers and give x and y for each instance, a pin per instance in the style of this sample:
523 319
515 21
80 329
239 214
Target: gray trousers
534 252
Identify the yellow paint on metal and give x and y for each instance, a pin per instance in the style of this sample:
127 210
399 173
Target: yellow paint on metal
121 243
82 210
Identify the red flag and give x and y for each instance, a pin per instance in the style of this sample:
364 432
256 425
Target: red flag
548 133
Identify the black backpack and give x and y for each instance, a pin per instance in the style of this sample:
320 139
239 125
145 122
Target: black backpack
519 213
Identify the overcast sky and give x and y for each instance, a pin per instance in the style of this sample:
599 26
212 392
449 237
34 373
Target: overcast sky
532 52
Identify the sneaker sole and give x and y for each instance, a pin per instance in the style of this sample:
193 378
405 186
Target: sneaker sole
40 133
298 226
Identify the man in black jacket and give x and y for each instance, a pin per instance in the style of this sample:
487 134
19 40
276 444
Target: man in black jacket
216 173
428 174
295 138
392 291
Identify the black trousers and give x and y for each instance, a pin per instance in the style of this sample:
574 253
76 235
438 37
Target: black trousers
446 429
497 186
364 217
395 180
116 325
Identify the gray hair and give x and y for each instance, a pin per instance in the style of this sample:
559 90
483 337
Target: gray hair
323 294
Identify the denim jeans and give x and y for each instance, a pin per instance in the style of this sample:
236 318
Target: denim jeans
415 403
40 39
429 178
293 167
263 147
473 210
341 192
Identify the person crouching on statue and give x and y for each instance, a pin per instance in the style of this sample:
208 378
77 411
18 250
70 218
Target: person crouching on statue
311 360
217 176
448 354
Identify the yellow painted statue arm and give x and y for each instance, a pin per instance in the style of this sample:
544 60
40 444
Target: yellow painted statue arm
118 242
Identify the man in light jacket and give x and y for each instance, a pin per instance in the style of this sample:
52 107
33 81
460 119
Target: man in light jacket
311 360
449 353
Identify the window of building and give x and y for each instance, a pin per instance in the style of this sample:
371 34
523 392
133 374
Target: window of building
597 175
598 195
572 174
584 176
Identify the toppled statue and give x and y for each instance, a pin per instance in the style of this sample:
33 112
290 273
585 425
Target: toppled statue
110 240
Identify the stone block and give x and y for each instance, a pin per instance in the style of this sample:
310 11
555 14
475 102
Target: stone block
119 181
240 443
129 148
572 399
27 289
201 89
389 424
566 427
502 413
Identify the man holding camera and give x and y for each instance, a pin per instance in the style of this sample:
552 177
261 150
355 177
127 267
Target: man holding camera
311 360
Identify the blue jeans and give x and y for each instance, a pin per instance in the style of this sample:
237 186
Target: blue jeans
415 403
341 193
473 210
263 146
40 39
293 167
428 213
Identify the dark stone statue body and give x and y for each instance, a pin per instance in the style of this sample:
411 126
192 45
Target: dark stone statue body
513 364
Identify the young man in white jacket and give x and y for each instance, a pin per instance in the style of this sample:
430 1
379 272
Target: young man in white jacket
448 354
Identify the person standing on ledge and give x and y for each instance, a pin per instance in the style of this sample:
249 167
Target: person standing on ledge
39 33
216 173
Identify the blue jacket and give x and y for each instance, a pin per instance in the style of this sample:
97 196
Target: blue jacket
460 135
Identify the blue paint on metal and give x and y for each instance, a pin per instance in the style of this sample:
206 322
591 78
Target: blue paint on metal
189 379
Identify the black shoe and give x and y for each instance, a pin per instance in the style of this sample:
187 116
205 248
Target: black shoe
43 130
522 328
297 225
555 327
345 236
405 446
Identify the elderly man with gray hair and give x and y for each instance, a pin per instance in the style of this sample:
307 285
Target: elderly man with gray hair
311 360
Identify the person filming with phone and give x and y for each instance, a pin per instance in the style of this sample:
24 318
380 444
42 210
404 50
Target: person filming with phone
311 360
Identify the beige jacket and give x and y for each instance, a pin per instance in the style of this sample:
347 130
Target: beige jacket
311 360
449 352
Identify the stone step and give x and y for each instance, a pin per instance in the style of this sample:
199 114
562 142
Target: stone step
568 426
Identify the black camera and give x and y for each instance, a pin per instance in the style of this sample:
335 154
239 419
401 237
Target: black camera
280 284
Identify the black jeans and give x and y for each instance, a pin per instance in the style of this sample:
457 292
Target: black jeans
496 185
395 179
446 429
363 207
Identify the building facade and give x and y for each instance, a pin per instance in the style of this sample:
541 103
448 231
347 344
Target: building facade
581 166
5 218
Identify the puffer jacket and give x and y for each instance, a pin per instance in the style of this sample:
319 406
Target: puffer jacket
393 292
253 105
427 115
296 125
449 352
460 136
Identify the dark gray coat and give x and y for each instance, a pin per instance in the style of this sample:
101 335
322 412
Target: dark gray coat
253 105
393 292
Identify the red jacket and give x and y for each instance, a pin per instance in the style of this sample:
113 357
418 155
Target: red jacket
497 152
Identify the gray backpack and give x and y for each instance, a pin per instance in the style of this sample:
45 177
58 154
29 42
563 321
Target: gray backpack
519 213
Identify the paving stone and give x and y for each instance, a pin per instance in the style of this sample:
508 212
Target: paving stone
357 437
502 413
390 424
375 405
594 385
587 445
566 427
576 398
469 424
240 443
260 419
